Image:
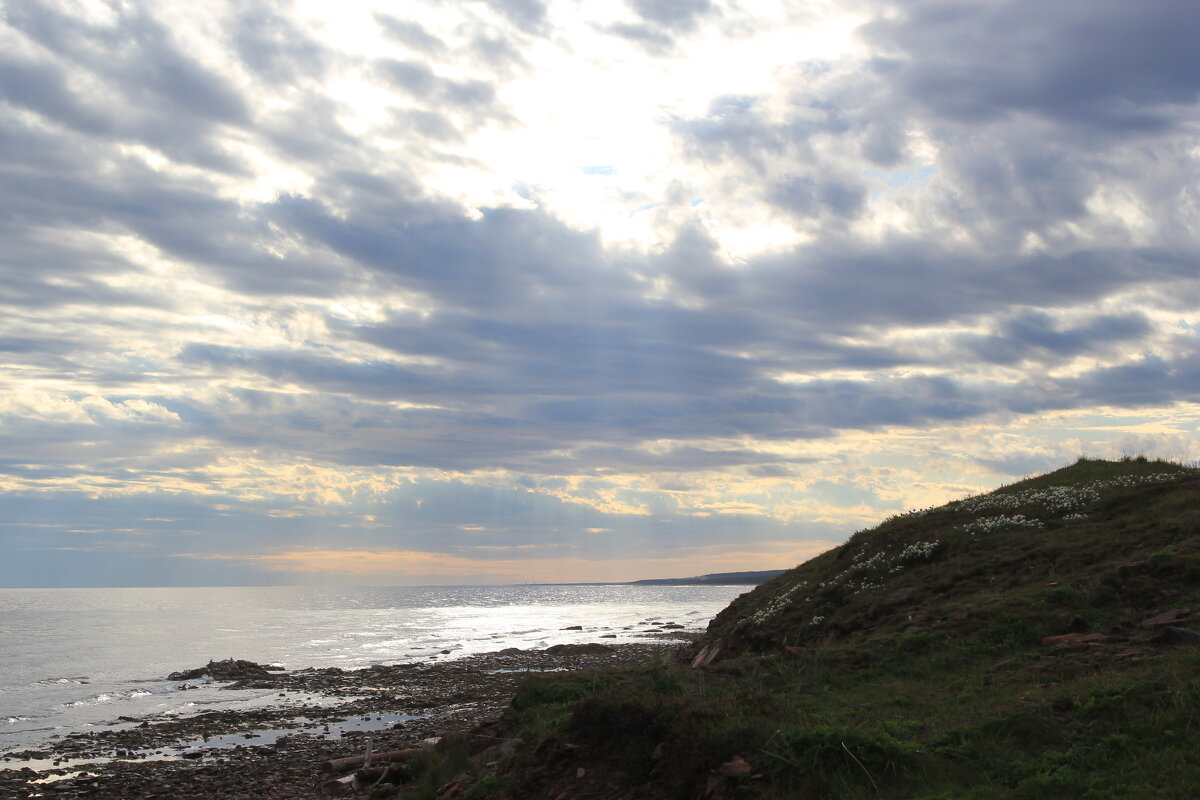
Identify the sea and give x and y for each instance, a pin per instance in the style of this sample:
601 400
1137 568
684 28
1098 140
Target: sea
74 659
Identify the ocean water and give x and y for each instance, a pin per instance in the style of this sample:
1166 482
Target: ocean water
71 659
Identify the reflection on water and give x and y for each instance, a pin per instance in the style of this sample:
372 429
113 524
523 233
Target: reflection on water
87 656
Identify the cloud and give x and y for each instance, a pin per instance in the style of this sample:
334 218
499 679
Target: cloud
168 99
660 23
275 271
1108 70
1037 335
681 15
276 49
411 34
528 15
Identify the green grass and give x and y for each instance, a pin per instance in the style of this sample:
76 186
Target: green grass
908 663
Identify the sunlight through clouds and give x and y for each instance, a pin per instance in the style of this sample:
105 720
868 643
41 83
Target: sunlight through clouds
395 292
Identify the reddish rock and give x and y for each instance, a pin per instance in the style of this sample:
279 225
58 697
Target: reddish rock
736 767
1166 618
1073 638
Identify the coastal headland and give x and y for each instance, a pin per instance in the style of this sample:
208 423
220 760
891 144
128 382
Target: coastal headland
1039 640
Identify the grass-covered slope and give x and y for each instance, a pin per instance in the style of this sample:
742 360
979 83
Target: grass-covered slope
1032 642
1093 546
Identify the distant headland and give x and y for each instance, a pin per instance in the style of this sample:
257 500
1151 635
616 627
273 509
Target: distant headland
715 579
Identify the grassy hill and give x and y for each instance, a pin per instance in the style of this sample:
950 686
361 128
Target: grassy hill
1034 641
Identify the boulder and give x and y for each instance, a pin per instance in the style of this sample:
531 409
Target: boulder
228 670
188 674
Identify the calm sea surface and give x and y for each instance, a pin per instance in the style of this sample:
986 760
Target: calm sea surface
74 658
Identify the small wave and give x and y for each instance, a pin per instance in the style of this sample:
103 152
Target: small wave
15 720
107 697
100 698
77 681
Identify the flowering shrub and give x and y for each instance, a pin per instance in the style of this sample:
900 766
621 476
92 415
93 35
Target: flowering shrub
917 551
1057 498
1000 523
777 603
1052 498
867 571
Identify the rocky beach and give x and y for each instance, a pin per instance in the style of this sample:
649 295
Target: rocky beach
322 714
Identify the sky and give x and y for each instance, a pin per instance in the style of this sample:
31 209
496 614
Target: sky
500 291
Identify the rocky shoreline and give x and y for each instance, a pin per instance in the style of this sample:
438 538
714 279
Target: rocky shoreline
277 752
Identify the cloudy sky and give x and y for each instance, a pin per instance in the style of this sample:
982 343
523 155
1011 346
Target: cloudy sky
554 290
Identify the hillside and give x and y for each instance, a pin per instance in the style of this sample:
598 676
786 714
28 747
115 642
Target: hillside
1032 641
1097 540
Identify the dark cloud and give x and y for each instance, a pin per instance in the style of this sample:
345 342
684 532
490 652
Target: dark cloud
1149 381
428 124
528 15
675 15
128 80
274 48
661 22
498 55
1112 68
370 380
650 37
736 129
42 88
473 100
411 34
841 284
808 197
1037 335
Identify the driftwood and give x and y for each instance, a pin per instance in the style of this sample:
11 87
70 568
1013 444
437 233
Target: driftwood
366 779
354 762
338 787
